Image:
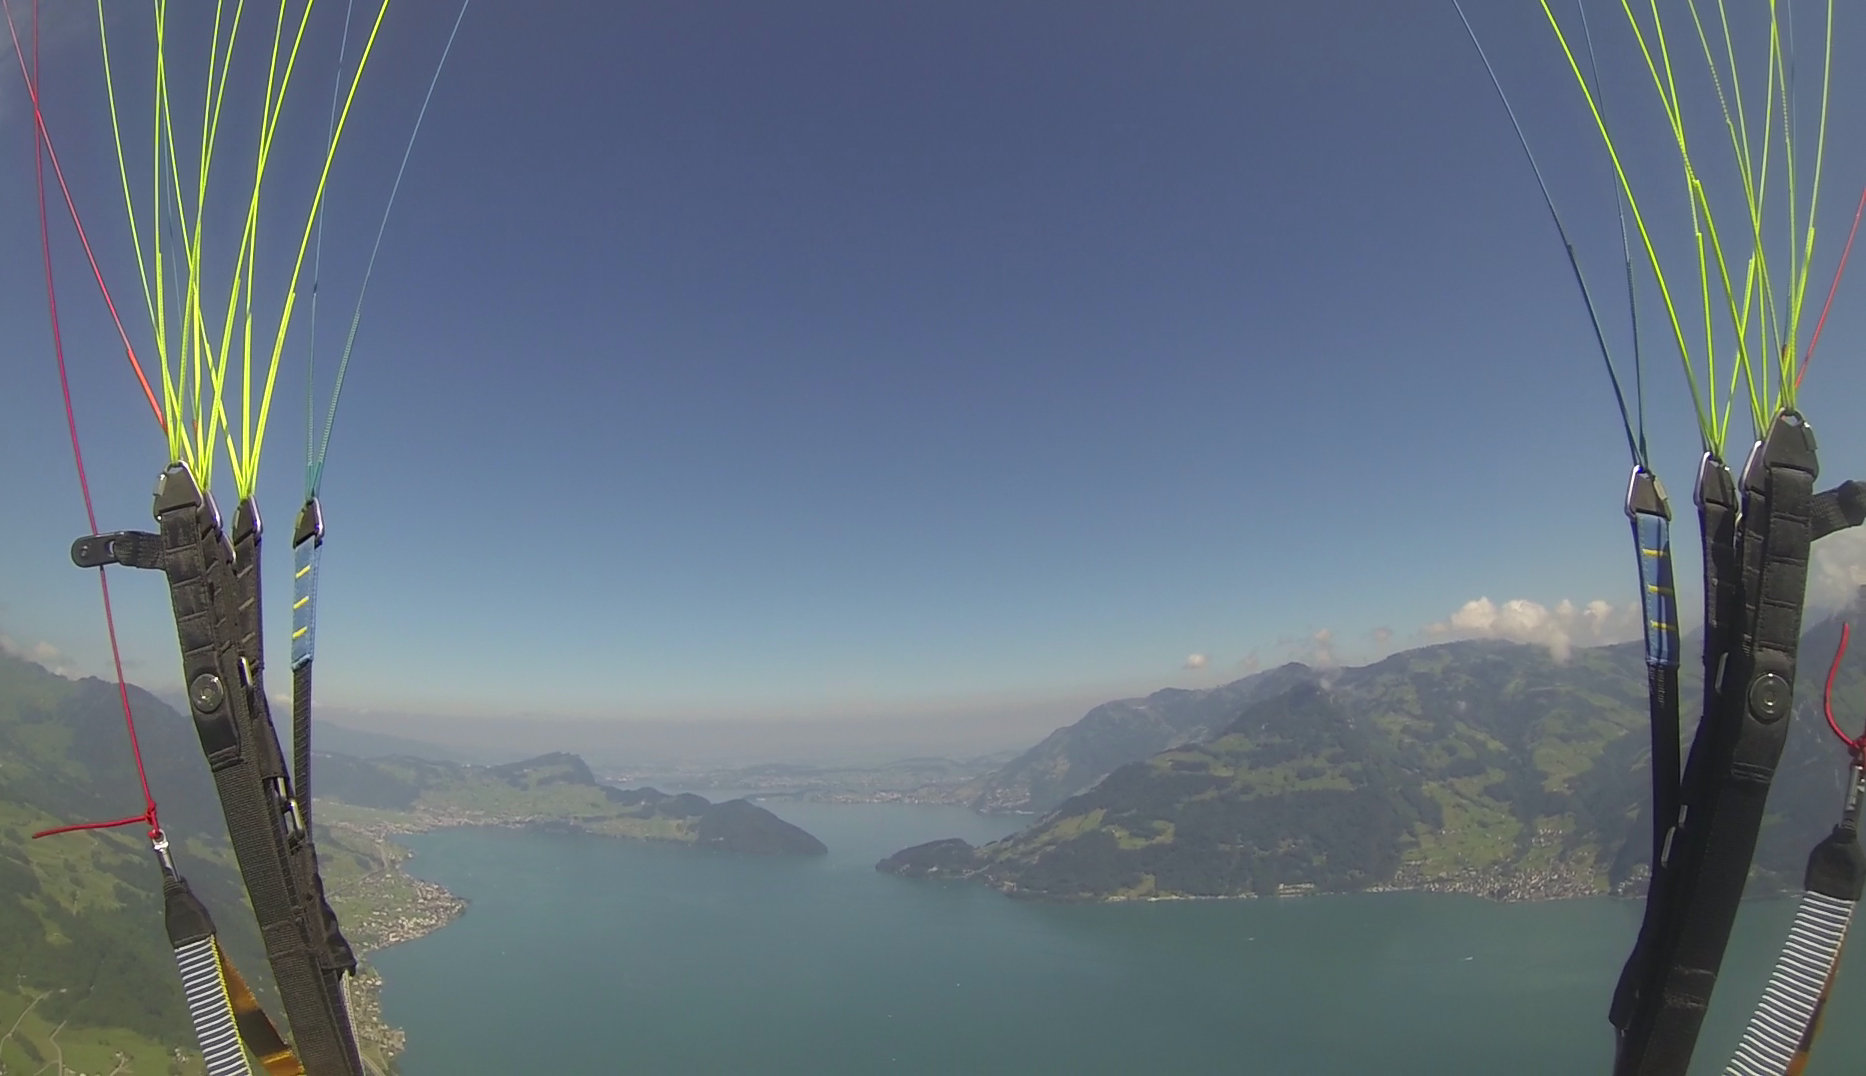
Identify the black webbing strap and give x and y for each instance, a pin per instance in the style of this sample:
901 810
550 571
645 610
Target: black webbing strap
1756 581
1719 509
1662 706
307 540
1716 499
214 591
301 739
336 954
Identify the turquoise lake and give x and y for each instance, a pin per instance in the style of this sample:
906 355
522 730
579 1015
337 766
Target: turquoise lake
587 955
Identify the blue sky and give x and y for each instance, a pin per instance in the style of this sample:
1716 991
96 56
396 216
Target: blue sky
841 360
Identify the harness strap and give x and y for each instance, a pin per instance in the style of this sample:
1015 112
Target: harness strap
213 588
1651 515
307 551
1716 499
1667 987
214 593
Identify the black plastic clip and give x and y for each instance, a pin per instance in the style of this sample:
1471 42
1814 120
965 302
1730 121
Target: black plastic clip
310 525
1645 496
132 549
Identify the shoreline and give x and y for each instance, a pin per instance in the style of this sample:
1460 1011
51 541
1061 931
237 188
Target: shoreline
383 907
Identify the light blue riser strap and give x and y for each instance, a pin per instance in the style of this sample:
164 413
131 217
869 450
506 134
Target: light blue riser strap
1658 597
307 551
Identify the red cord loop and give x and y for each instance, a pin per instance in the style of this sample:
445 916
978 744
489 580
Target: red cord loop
147 817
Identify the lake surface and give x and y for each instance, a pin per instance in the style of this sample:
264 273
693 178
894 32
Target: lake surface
586 955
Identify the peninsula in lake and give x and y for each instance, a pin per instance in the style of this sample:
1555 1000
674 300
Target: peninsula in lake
555 791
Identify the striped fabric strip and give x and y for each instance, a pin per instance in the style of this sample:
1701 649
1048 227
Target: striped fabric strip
1789 1003
210 1009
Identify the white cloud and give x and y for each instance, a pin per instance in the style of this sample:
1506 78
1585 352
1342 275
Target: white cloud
1250 663
1837 570
1316 651
1560 629
40 653
1196 661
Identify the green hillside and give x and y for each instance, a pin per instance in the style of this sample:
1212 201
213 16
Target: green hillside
86 973
1486 768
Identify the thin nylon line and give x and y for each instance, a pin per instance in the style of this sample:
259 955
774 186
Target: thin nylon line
163 175
71 423
246 467
1756 280
270 124
1782 345
1707 430
1701 207
163 134
170 397
193 358
1667 87
1821 323
1626 255
1780 340
1587 298
201 169
317 266
1778 324
1820 156
304 243
1704 223
1665 82
123 171
58 171
246 262
356 316
213 101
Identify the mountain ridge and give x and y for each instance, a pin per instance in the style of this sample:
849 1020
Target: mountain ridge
1072 758
1474 766
556 791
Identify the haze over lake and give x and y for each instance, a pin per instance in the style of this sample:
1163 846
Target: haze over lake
588 955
